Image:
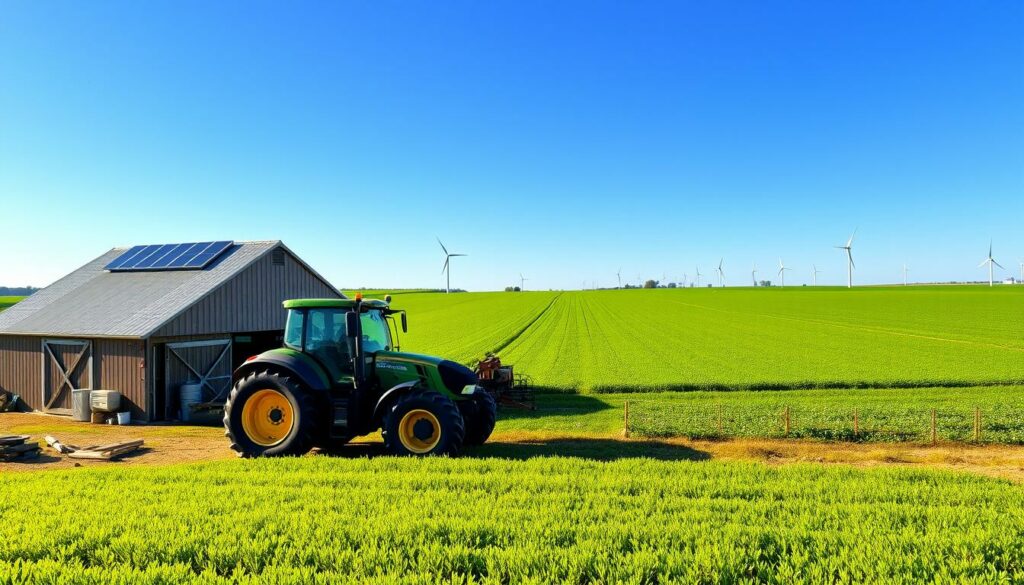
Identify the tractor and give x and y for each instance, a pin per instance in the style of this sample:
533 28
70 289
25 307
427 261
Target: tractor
340 375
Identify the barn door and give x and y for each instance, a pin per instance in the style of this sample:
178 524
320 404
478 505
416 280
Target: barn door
67 366
207 363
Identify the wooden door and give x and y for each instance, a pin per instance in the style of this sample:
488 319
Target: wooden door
67 366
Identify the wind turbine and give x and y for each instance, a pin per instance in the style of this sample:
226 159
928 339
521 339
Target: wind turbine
905 271
991 262
849 255
698 277
1022 271
814 274
522 282
753 274
721 273
782 272
685 276
619 276
447 269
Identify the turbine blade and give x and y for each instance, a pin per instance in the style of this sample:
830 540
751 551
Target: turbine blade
445 267
451 255
854 235
983 262
998 264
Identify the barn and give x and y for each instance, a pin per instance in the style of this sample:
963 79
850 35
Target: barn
145 320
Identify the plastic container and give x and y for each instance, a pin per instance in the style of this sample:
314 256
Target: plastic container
190 394
124 418
80 409
105 400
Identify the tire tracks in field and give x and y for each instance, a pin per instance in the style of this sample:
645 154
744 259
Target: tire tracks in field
861 328
515 336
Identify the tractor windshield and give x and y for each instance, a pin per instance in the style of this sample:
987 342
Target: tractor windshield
376 335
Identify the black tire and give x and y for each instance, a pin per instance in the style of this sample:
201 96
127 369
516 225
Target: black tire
479 414
304 430
446 440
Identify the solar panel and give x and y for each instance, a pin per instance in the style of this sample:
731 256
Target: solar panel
191 256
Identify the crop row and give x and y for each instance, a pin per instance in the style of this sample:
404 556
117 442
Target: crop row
564 520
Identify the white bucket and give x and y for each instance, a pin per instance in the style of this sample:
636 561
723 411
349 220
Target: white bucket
189 394
124 418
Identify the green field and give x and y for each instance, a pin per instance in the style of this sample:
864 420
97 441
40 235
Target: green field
8 301
543 520
733 338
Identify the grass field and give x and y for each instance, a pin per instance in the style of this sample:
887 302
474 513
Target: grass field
8 301
542 520
741 338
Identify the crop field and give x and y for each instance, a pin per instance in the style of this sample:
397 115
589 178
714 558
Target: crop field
739 338
544 520
8 301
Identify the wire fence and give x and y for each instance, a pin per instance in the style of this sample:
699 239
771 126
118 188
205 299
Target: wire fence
892 423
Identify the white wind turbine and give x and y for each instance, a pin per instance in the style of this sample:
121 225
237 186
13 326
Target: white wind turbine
991 262
782 272
721 273
814 274
686 276
522 282
447 269
849 256
905 271
619 276
698 277
753 274
1022 270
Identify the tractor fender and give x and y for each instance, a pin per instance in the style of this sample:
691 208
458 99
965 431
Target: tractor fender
305 372
390 395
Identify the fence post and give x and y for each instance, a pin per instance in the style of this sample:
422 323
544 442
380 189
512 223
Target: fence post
856 425
787 421
934 437
977 424
625 419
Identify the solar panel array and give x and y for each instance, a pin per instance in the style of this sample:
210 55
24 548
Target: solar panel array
194 256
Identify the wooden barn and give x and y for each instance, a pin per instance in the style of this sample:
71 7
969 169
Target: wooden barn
146 320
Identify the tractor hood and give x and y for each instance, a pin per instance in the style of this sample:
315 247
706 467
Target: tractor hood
399 366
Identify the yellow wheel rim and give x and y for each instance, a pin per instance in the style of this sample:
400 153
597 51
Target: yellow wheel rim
267 417
419 431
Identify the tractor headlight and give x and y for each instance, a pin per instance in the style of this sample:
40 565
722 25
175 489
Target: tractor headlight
456 376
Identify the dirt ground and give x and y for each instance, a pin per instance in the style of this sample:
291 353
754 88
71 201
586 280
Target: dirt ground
167 444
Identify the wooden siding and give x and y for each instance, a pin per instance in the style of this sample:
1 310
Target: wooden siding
117 365
21 366
251 301
120 365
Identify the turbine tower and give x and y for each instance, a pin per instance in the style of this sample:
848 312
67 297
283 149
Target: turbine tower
782 273
753 274
447 269
991 262
522 282
619 276
849 256
698 277
1022 271
814 274
905 271
721 273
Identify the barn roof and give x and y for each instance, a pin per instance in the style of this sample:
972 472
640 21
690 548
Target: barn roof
93 302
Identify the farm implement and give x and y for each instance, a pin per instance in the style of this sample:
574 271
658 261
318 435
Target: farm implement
340 375
503 383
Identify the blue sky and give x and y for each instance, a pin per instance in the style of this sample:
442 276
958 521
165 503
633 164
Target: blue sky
561 140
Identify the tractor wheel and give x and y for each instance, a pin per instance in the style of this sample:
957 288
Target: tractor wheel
269 414
423 423
479 414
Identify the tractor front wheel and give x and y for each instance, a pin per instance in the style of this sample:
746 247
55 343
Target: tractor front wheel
423 423
269 414
479 413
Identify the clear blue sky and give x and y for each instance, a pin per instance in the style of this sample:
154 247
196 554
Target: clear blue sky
561 140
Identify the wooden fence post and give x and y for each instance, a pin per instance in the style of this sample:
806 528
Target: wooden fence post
856 425
625 419
977 424
934 436
787 421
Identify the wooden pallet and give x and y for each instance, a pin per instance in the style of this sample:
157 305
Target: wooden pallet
18 448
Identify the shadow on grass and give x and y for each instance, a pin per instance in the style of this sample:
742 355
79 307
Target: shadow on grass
592 449
555 405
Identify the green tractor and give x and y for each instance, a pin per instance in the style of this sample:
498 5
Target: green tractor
341 375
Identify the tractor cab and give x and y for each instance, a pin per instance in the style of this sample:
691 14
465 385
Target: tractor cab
340 375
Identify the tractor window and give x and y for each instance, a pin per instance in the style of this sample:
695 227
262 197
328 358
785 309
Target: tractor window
376 336
327 342
293 329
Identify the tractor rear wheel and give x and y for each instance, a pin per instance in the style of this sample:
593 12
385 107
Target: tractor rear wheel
423 422
269 414
479 413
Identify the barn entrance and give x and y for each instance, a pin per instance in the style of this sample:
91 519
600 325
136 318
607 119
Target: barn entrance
204 363
67 366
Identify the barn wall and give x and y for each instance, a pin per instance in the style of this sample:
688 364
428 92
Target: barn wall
21 364
120 365
251 301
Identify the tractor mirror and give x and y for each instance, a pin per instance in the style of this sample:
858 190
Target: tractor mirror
405 324
352 324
